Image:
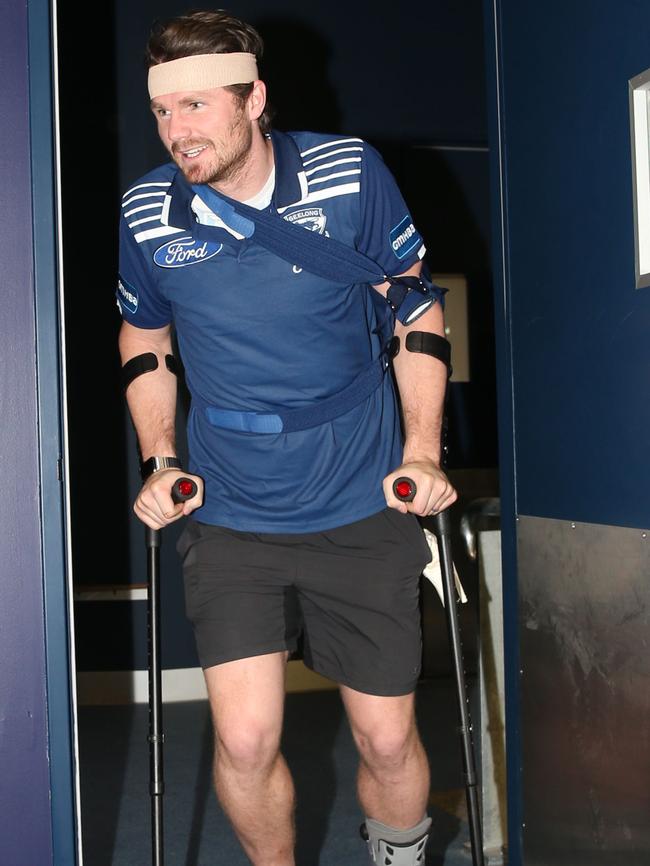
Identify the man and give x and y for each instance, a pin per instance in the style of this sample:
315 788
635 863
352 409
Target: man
295 523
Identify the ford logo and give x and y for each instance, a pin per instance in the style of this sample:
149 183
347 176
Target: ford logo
182 252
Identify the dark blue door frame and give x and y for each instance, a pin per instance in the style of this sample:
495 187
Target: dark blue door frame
37 821
49 351
506 420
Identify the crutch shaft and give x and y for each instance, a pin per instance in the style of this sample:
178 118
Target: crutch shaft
443 533
405 489
183 489
156 775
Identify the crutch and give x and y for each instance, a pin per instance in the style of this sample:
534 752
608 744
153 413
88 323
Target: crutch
183 489
405 489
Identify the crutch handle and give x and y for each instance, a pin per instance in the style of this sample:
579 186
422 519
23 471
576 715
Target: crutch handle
183 489
404 488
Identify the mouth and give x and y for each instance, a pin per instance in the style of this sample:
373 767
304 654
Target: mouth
191 152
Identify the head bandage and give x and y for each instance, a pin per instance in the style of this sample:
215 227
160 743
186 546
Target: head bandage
201 72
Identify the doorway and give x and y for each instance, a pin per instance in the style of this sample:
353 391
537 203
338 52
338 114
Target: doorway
440 159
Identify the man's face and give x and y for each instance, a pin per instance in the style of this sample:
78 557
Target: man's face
207 132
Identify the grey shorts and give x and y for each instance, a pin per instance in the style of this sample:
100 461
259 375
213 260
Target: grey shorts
352 592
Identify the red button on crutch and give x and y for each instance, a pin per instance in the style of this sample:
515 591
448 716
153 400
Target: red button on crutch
405 489
186 489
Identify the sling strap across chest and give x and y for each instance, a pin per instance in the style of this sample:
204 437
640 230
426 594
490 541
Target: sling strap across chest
407 299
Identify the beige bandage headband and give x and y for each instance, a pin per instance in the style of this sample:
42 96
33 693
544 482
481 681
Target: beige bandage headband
201 72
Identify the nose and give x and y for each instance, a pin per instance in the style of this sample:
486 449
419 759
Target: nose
177 127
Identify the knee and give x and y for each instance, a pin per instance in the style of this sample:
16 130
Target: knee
248 746
388 745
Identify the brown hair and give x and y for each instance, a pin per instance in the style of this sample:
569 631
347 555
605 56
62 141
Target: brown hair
205 32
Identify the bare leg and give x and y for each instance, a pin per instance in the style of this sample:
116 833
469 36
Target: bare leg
393 779
251 777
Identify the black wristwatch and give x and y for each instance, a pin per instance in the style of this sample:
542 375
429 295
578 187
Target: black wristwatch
155 464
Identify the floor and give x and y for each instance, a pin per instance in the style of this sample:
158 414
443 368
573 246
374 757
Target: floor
319 749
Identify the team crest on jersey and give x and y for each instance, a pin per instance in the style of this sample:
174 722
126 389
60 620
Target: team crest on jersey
182 252
311 218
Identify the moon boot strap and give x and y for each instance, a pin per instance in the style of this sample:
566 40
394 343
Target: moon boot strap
391 847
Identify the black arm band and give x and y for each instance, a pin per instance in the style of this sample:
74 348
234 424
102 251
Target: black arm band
137 366
172 364
145 363
430 344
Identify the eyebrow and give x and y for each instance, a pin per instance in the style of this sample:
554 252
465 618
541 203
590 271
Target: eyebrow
186 100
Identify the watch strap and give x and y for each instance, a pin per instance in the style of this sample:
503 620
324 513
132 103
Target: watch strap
156 464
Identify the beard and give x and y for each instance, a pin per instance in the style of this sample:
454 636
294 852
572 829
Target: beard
222 160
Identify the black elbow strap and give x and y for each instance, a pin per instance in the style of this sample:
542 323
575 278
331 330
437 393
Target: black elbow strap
172 365
145 363
430 344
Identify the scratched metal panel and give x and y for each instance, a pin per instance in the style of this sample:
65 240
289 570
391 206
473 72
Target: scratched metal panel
584 617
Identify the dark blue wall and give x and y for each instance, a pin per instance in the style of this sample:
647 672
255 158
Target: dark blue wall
385 72
573 360
25 832
580 326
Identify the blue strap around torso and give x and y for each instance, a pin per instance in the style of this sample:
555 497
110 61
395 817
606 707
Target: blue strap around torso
291 420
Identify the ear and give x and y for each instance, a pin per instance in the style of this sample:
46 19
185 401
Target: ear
257 100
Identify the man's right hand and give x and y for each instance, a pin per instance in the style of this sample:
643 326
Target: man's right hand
154 505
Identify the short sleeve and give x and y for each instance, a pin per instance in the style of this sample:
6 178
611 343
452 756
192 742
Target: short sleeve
387 233
138 296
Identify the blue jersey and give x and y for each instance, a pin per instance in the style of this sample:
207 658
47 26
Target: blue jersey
258 334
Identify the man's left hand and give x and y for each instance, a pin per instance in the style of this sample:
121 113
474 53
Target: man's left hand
434 491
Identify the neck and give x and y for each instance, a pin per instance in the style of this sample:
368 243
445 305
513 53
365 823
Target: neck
253 174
